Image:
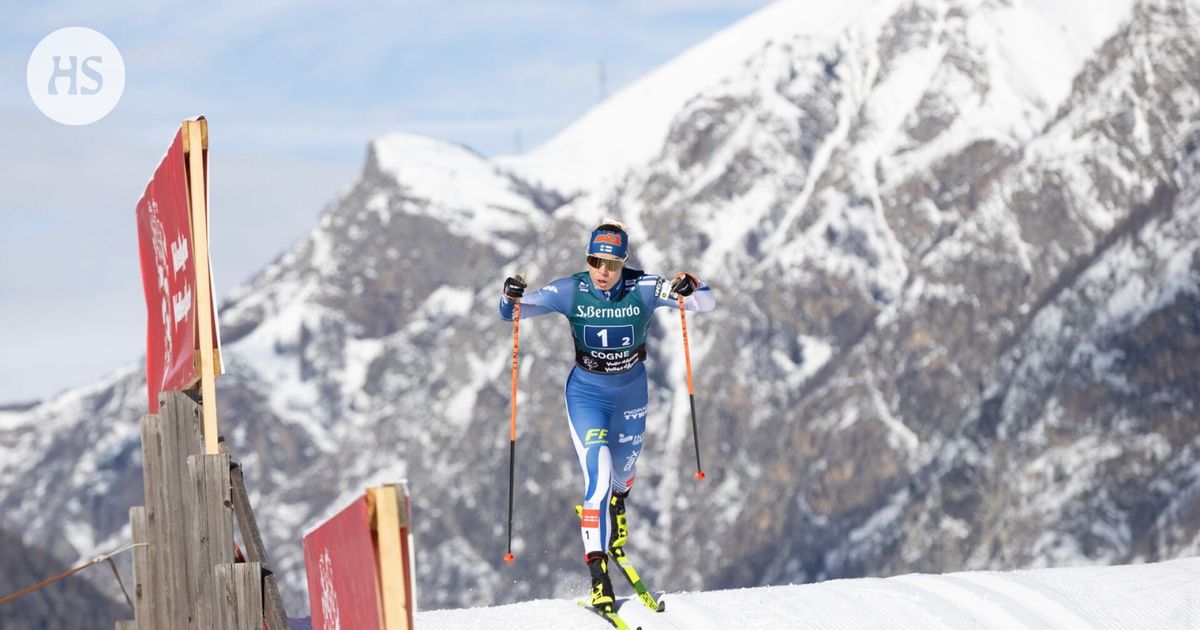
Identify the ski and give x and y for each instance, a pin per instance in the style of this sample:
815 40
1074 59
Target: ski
631 575
610 617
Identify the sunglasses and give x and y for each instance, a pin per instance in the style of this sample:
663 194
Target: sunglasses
595 262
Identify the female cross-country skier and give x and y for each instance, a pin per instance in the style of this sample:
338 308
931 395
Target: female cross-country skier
609 308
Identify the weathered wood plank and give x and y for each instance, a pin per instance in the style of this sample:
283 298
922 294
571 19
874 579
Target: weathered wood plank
178 413
160 593
249 595
255 549
212 530
273 611
239 596
176 522
126 624
225 603
199 537
142 613
219 513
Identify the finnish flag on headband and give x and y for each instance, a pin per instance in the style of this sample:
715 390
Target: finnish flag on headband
611 243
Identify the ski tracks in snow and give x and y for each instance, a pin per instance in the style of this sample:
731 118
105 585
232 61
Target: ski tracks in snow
681 614
1130 597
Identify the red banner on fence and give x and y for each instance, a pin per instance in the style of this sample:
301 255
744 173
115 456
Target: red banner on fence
343 580
168 276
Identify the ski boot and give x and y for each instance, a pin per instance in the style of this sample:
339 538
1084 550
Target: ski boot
616 550
620 532
602 589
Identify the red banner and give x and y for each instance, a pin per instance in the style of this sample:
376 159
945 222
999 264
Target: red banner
343 581
168 276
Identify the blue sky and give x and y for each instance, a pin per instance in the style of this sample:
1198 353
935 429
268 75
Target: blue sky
293 91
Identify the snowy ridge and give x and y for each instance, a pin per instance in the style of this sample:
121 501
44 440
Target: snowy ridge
460 186
54 425
1035 47
628 129
1130 597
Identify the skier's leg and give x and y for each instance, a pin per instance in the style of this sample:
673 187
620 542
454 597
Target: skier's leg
588 415
629 423
596 522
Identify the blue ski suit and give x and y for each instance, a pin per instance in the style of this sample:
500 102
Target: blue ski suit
606 390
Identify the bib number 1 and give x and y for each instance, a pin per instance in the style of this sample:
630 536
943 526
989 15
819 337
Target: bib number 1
606 337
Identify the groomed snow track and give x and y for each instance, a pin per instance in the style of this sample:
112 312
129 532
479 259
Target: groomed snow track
1157 596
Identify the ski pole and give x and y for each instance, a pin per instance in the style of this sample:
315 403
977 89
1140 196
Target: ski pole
512 422
687 357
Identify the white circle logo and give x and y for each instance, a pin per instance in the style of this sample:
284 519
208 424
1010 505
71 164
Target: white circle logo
75 75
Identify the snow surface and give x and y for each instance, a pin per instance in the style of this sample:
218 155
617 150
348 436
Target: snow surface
1148 596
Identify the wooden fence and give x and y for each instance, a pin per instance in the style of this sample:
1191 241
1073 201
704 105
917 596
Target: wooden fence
187 577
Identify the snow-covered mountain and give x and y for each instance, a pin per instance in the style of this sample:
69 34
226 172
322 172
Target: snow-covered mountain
954 245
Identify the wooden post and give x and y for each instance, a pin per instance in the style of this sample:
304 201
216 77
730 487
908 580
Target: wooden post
404 508
188 523
212 536
276 617
196 141
220 516
126 625
239 596
249 595
226 599
218 504
160 594
178 415
391 575
200 543
394 587
142 612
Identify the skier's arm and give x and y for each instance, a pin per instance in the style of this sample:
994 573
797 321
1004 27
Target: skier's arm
548 299
666 292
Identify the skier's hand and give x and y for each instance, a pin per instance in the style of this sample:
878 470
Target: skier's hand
684 284
514 287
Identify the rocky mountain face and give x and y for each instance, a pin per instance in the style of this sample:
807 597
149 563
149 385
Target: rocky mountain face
68 603
954 247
